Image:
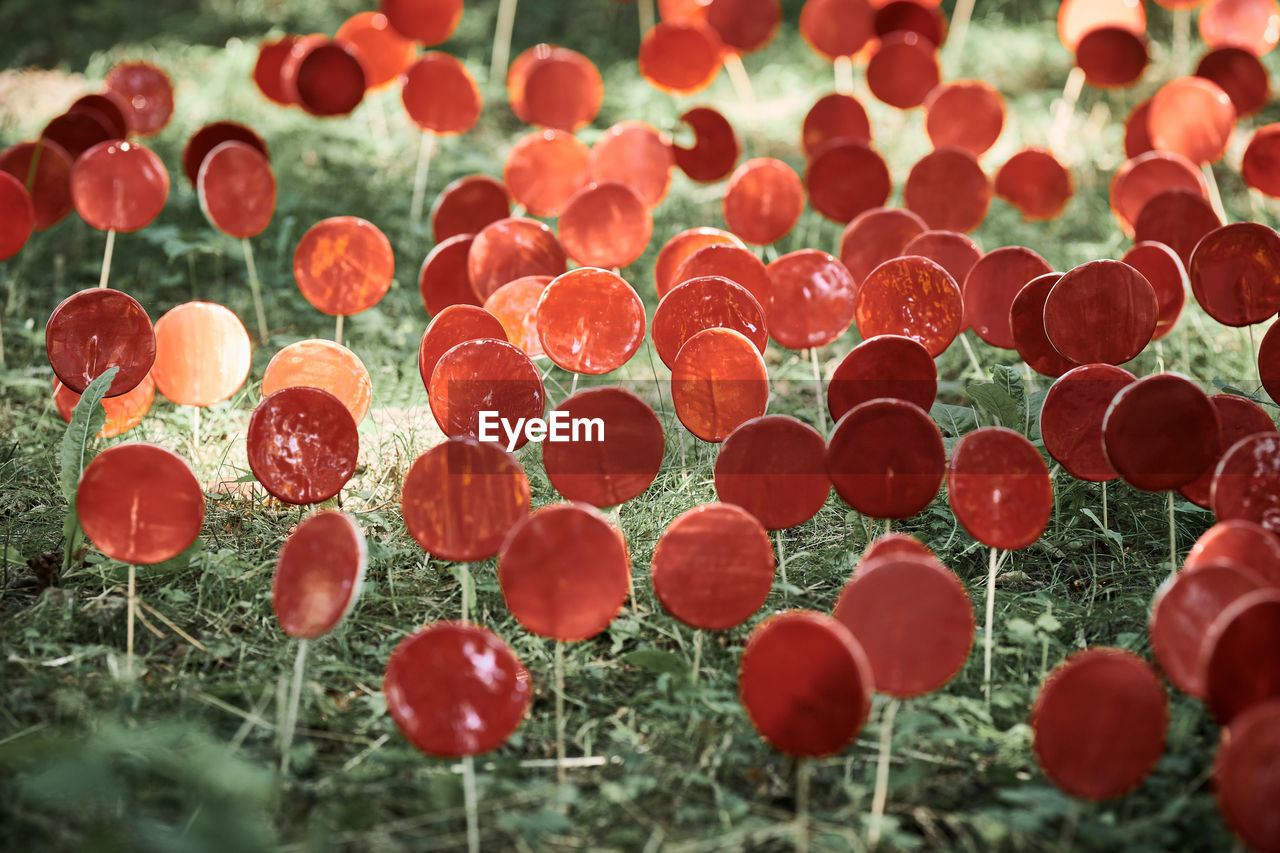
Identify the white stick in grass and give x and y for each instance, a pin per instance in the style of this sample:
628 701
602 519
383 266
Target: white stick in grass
337 330
741 81
881 792
843 68
290 722
255 287
559 683
106 259
802 805
426 149
1215 197
471 801
960 19
993 566
464 581
817 381
1173 541
502 41
133 613
1065 109
782 557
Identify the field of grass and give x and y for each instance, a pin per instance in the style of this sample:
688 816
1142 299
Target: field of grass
185 757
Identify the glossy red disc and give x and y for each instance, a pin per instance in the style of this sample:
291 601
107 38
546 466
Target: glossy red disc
883 366
1269 361
729 260
992 285
565 572
1261 165
1112 57
515 305
319 574
510 249
999 488
805 684
719 381
1238 418
635 154
237 189
210 137
1235 273
811 299
268 71
775 468
554 87
605 225
681 247
615 464
107 108
1035 183
325 365
1160 266
461 498
1137 134
97 329
427 22
886 459
1245 781
44 169
384 54
439 94
1193 117
1100 312
680 57
949 190
302 444
713 567
456 689
951 250
1072 415
903 70
1241 75
123 413
590 321
913 618
1246 484
763 201
895 546
1077 18
923 18
1250 24
1026 317
202 354
913 297
846 178
76 132
485 376
706 302
1245 542
139 503
715 150
467 205
1143 177
1237 673
145 94
1160 433
966 114
119 186
1099 723
343 265
835 28
744 26
324 77
834 116
444 278
876 236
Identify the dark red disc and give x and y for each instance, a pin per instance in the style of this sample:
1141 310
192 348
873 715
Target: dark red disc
268 71
512 248
202 354
1246 484
903 70
1245 781
811 299
450 327
44 168
1238 674
1099 723
237 189
682 246
895 546
439 94
1078 18
1035 183
444 278
479 384
1101 312
97 329
302 444
719 381
763 201
324 77
1160 266
461 498
1112 57
343 265
1147 175
1193 117
728 260
145 95
999 488
76 132
635 154
1178 218
1026 316
610 464
139 503
384 54
119 186
834 116
706 302
886 459
467 205
913 297
1260 167
605 225
922 18
1239 418
319 574
876 236
949 190
775 468
966 114
427 22
123 413
1160 433
1241 75
1072 415
515 304
805 683
992 285
210 137
744 26
713 567
322 364
565 572
883 366
846 178
680 57
1137 135
1235 273
1269 361
554 87
106 107
1245 542
837 28
715 150
590 321
455 689
951 250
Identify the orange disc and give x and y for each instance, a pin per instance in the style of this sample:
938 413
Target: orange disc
319 574
515 305
1245 542
1193 117
912 297
635 154
144 94
744 26
715 149
1247 481
836 28
679 249
439 94
1147 175
999 488
302 445
343 265
811 299
1241 75
427 22
123 413
210 137
1235 273
237 190
384 54
97 329
1160 433
1072 415
1177 218
606 225
510 249
1035 183
1245 781
991 287
731 261
452 326
1159 265
719 381
883 366
467 205
590 321
1238 674
876 236
949 190
480 383
1253 25
202 354
1026 319
1112 57
951 250
554 87
763 201
444 279
774 467
614 465
834 116
903 70
706 302
1101 312
966 114
680 57
846 178
325 365
119 186
1078 18
545 169
886 459
44 170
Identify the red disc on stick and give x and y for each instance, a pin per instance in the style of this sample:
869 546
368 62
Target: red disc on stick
319 574
268 71
107 109
811 299
1250 24
467 205
1137 134
17 216
1245 542
427 22
681 247
590 321
1160 266
949 190
1078 18
302 444
1101 312
1269 361
1247 481
992 285
999 488
479 384
635 154
237 189
715 150
1026 317
384 54
924 19
706 302
680 57
44 169
1235 273
550 86
883 366
1112 57
97 329
846 178
123 413
913 297
1239 418
965 114
510 249
325 365
763 201
1147 175
1178 218
1160 433
444 278
951 250
202 354
606 225
1238 673
452 326
324 77
76 132
876 236
744 26
775 468
903 70
515 304
145 95
886 459
729 260
719 381
894 546
439 94
837 28
210 137
611 465
834 116
1260 167
1072 415
343 265
119 186
1245 781
1241 75
1035 183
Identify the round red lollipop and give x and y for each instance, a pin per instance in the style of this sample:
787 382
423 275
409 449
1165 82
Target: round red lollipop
1241 75
811 299
1193 117
44 169
606 225
1269 361
1026 317
924 19
319 574
512 248
107 109
237 189
1239 418
1072 415
565 572
1261 165
1237 672
1035 183
744 26
895 546
202 354
886 459
515 305
706 302
1078 18
883 366
728 260
763 201
139 503
1137 134
1112 57
384 54
713 567
635 154
555 87
210 137
343 265
119 186
323 76
76 132
913 619
1160 266
775 468
1239 541
836 28
876 236
951 250
302 444
590 321
681 247
1100 312
834 116
1246 484
123 413
999 488
97 329
1147 175
427 22
846 178
1160 433
680 57
615 464
992 285
268 71
145 95
455 689
1099 723
715 150
461 498
903 70
443 279
719 381
805 684
913 297
1235 273
1253 25
965 114
949 190
439 94
480 383
325 365
545 169
1245 781
467 205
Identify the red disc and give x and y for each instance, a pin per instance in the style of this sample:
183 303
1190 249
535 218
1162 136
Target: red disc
713 567
319 574
515 305
635 154
1160 266
1112 57
923 18
951 250
324 77
876 236
384 54
237 189
895 546
775 468
325 365
44 168
605 225
1269 361
728 260
467 205
1137 134
480 383
144 93
1035 183
97 329
715 150
706 302
1253 25
886 459
343 265
1261 165
1237 672
681 247
268 71
966 114
554 87
834 116
1147 175
1026 316
107 108
999 488
1239 418
903 70
1077 18
763 201
1160 433
949 190
210 137
461 498
1235 273
883 366
1185 607
1100 312
119 186
123 413
615 464
719 381
139 503
444 279
913 619
565 572
456 689
1072 415
1241 75
836 28
744 26
1193 117
427 22
590 321
680 57
76 132
1099 723
439 94
1246 484
913 297
992 285
1245 542
811 299
805 684
846 178
1245 781
302 444
510 249
202 354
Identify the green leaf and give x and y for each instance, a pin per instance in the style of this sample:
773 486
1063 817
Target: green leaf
87 418
656 661
1010 381
953 420
998 403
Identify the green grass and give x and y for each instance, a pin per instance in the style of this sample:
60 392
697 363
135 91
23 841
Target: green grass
185 758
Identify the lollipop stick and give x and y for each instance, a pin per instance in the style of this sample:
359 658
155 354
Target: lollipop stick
843 66
106 259
960 28
133 614
817 380
741 81
697 653
1173 540
255 286
973 356
782 557
645 8
1105 525
1066 108
573 385
469 798
464 580
888 526
881 793
1215 197
992 566
425 151
337 330
560 765
802 805
1181 37
502 40
195 426
290 721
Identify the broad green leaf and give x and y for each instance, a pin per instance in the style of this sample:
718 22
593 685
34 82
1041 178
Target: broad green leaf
998 403
953 420
657 661
87 418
